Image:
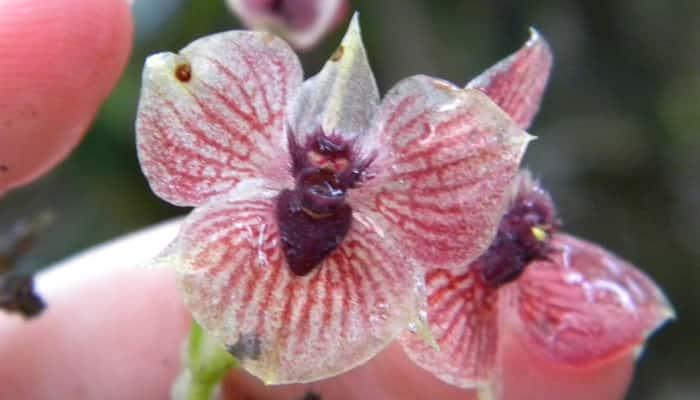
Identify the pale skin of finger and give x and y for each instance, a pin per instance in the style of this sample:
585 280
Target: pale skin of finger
527 376
113 330
59 59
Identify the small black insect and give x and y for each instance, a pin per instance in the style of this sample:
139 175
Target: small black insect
17 290
247 347
310 396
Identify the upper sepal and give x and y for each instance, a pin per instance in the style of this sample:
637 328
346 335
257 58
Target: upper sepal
517 82
340 100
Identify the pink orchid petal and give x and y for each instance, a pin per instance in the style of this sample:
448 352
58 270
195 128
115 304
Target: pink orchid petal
301 22
463 318
587 306
449 157
341 99
517 82
214 115
283 327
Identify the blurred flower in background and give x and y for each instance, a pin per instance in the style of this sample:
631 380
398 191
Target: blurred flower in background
302 23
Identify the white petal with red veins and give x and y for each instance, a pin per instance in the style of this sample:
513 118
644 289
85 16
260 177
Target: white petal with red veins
463 318
517 82
444 173
214 114
587 306
283 327
341 99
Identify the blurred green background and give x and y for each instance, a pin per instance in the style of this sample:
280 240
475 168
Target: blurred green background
619 134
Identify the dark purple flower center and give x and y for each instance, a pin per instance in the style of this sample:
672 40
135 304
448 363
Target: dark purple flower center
523 236
314 217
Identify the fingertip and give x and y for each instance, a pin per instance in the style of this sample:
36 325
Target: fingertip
530 375
116 337
59 59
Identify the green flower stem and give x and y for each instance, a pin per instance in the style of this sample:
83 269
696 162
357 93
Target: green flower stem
207 364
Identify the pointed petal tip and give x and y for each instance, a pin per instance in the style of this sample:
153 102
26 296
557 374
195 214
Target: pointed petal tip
534 35
157 63
665 314
352 40
535 38
354 22
517 82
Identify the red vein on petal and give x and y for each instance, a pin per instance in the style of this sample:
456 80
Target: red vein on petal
288 309
183 149
199 133
301 326
455 318
250 118
263 91
269 290
345 278
328 300
399 111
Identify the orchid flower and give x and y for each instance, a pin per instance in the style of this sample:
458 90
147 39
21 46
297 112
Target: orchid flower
563 298
318 207
301 22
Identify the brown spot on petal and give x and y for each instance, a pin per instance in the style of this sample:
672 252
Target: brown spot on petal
442 85
4 168
247 347
338 53
183 72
